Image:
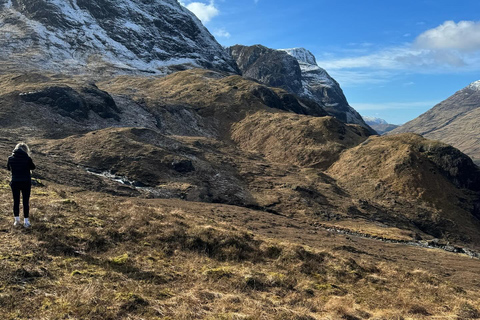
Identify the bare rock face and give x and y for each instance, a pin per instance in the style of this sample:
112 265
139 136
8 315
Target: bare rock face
98 35
296 71
272 67
455 121
74 104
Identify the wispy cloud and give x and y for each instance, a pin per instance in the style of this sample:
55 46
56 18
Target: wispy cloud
394 105
221 33
204 11
450 47
353 78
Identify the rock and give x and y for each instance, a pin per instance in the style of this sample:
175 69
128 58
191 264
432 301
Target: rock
183 165
75 104
454 121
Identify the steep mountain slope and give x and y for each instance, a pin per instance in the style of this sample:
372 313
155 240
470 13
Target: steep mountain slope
455 121
106 35
379 125
296 71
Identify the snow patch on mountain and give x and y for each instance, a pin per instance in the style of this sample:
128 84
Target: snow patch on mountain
374 120
310 70
319 86
475 86
302 55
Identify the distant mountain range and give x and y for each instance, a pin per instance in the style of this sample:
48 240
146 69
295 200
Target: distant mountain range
455 121
379 125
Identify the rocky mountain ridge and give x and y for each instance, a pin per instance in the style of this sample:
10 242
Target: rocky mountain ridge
296 71
455 121
99 36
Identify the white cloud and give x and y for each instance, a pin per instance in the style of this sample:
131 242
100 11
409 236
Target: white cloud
462 36
204 12
448 48
221 33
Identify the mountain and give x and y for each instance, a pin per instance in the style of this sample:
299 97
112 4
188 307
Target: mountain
100 35
455 121
199 193
379 125
296 71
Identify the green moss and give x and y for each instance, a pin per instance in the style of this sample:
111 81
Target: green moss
88 273
4 186
323 286
120 260
218 273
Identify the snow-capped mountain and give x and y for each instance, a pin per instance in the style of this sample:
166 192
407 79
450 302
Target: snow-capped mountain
380 125
374 120
296 71
94 35
474 86
321 87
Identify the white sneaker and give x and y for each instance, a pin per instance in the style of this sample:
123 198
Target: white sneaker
27 224
16 223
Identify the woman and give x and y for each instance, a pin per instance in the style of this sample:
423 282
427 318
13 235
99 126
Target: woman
20 164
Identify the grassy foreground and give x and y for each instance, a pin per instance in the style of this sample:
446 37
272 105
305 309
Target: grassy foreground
95 256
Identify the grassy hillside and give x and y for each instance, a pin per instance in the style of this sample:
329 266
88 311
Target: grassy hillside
405 169
95 256
200 196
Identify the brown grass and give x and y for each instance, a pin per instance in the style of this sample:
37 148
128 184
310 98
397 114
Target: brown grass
94 256
296 139
398 170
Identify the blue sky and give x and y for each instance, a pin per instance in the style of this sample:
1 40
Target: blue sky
393 59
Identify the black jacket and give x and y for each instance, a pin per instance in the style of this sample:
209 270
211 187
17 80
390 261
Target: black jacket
20 164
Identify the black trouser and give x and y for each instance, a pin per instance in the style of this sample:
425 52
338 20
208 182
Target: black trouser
25 187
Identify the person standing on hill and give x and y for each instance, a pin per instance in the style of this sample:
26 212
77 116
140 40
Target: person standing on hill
20 164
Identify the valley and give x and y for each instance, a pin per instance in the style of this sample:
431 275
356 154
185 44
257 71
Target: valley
180 179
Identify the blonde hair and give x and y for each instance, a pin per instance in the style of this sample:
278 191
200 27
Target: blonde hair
22 146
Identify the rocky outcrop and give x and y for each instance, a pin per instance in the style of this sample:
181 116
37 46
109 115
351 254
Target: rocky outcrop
296 71
74 104
272 67
106 35
455 121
